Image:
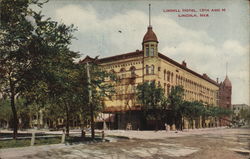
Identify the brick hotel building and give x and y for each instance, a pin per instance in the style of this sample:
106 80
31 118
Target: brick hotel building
148 64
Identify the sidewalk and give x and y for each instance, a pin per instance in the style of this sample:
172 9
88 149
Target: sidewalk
164 134
130 133
31 150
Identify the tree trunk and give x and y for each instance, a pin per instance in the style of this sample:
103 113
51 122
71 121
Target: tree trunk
181 121
192 123
13 108
156 125
92 122
67 120
177 121
7 124
156 121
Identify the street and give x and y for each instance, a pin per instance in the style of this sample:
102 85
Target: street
198 144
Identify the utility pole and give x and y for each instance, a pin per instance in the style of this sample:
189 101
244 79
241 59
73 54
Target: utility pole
90 104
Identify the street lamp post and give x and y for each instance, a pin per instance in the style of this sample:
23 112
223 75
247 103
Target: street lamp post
90 103
88 60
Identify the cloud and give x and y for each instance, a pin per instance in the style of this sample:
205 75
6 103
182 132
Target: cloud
99 35
84 18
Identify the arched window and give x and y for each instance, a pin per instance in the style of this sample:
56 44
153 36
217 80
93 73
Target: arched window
164 75
112 73
168 76
152 69
172 77
132 69
159 68
147 69
123 72
164 89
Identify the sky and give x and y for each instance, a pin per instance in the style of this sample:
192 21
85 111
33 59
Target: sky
109 27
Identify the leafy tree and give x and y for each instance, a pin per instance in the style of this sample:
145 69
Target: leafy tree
245 115
175 100
192 110
22 112
153 101
30 47
100 91
5 112
218 112
67 91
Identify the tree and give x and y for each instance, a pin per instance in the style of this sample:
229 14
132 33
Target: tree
192 110
245 115
5 112
175 100
63 91
99 90
29 47
152 100
218 112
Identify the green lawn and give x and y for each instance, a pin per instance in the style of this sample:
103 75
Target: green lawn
26 142
42 141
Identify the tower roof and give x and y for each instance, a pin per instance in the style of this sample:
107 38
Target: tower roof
150 36
227 82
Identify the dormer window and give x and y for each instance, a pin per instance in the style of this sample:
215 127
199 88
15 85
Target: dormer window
147 52
152 51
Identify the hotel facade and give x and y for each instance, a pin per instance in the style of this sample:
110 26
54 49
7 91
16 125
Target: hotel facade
148 65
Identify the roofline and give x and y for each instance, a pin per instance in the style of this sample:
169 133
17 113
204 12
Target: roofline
137 53
241 104
121 56
185 68
150 41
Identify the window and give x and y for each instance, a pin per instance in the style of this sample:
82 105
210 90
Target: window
152 52
172 76
164 87
147 52
168 76
132 69
164 75
152 69
147 69
123 74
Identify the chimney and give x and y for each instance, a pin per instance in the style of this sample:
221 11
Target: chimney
217 80
184 64
205 75
137 50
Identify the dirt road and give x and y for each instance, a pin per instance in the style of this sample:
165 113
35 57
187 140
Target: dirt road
215 144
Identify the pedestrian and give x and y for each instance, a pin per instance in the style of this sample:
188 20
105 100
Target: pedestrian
166 127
